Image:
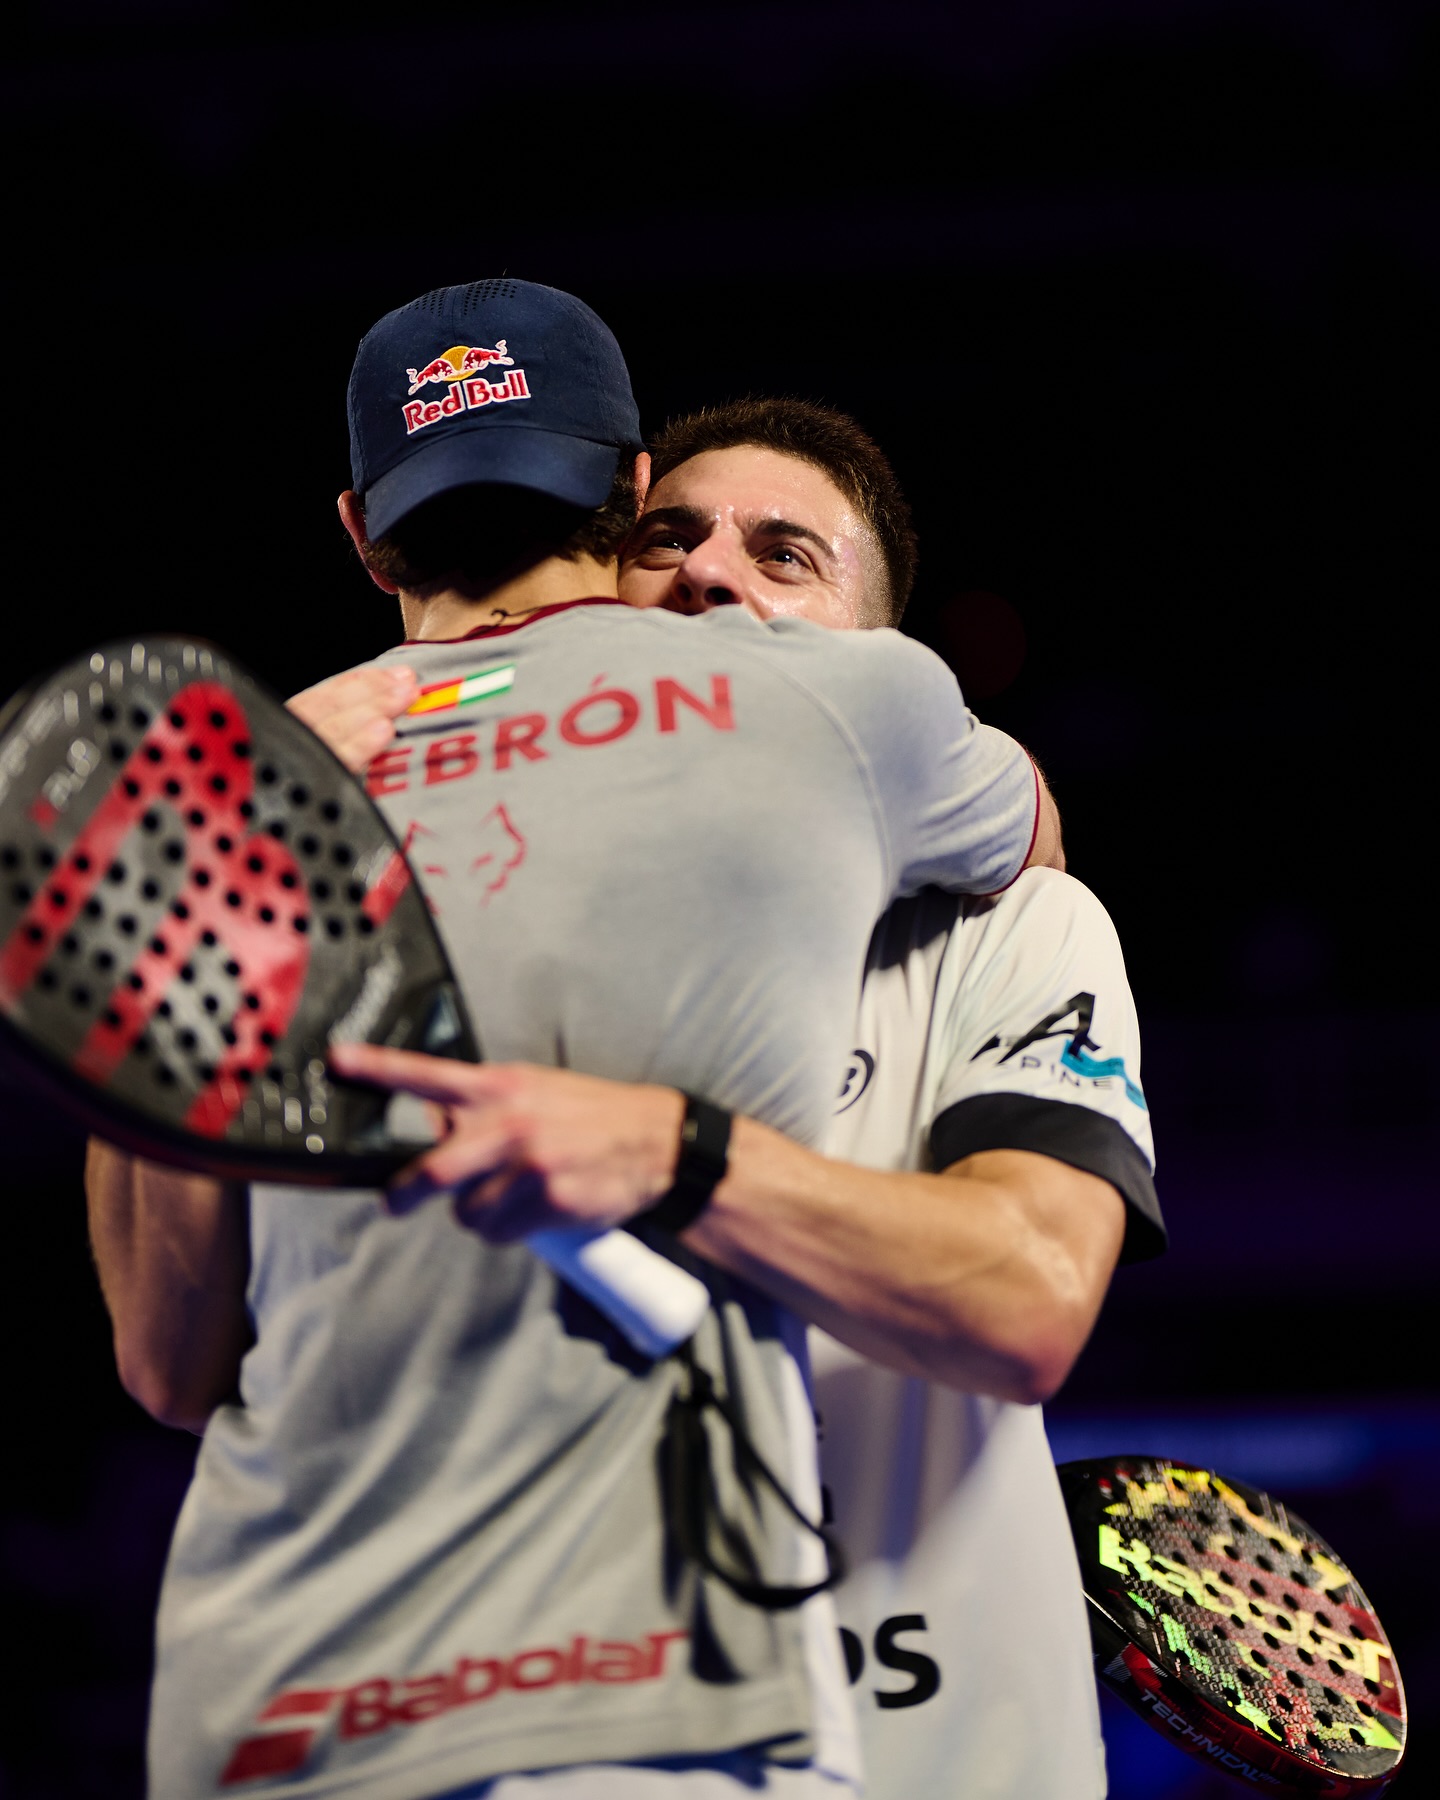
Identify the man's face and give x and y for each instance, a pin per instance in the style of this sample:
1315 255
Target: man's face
750 527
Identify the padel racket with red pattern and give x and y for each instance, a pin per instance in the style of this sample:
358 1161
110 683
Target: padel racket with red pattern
1233 1627
195 900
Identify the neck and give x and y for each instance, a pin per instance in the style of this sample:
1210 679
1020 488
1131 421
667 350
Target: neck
451 612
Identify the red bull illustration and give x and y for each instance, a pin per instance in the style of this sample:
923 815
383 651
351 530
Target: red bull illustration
460 359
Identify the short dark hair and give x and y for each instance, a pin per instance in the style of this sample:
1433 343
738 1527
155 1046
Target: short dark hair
832 443
473 532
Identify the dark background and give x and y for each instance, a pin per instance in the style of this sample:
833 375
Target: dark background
1141 298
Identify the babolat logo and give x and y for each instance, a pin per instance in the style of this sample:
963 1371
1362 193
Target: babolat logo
366 1709
455 369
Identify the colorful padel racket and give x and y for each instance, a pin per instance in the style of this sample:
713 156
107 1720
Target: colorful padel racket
1234 1628
196 900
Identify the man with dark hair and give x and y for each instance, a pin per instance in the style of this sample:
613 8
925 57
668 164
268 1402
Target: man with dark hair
825 440
989 1159
428 1546
977 1035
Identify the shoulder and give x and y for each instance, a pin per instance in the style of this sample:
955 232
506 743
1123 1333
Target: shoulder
882 653
1030 950
798 647
1043 907
940 965
1040 903
819 652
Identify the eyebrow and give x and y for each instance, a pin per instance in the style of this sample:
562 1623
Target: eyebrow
699 521
672 515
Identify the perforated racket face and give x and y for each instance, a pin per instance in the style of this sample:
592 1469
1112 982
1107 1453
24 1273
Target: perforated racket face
195 901
1234 1628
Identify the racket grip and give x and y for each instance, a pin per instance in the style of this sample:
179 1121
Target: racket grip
652 1301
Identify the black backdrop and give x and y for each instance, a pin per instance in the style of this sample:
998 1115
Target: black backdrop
1141 300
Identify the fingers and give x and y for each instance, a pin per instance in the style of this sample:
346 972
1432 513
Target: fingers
481 1136
358 738
430 1077
507 1206
412 1187
389 690
479 1140
354 713
466 1157
466 1162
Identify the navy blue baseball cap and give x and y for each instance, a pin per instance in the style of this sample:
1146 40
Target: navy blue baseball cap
492 381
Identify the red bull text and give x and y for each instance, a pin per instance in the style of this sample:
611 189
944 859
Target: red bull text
464 396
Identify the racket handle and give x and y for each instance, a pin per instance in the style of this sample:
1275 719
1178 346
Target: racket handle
655 1303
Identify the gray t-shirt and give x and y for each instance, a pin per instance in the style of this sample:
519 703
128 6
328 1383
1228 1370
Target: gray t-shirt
428 1546
658 851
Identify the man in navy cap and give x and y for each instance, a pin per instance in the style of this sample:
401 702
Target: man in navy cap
428 1548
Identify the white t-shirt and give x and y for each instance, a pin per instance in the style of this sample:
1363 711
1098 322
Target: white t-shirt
983 1024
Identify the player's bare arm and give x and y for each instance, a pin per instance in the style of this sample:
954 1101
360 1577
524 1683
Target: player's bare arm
172 1251
987 1277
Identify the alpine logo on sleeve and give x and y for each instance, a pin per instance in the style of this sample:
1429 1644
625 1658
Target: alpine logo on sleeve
1071 1021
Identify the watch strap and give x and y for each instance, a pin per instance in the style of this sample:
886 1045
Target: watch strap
699 1167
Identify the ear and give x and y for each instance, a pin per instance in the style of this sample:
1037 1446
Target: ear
642 480
352 517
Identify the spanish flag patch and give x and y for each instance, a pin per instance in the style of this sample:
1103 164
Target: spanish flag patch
499 678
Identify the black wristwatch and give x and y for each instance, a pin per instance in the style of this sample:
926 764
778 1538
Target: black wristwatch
699 1168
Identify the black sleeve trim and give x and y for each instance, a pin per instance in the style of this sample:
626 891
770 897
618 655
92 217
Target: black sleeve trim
1072 1134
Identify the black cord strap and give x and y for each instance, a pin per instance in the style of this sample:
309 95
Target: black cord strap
699 1167
692 1504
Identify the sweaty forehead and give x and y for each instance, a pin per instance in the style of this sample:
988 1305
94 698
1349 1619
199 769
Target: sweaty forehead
749 481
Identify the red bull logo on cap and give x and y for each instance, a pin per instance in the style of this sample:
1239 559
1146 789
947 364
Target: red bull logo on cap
467 390
458 361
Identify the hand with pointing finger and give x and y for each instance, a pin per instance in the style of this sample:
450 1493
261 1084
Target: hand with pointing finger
527 1148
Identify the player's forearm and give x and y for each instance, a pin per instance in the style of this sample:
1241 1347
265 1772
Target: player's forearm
956 1277
172 1251
987 1277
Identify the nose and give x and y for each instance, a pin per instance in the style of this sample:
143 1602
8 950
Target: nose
707 578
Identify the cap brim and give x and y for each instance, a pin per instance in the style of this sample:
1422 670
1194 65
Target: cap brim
576 470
